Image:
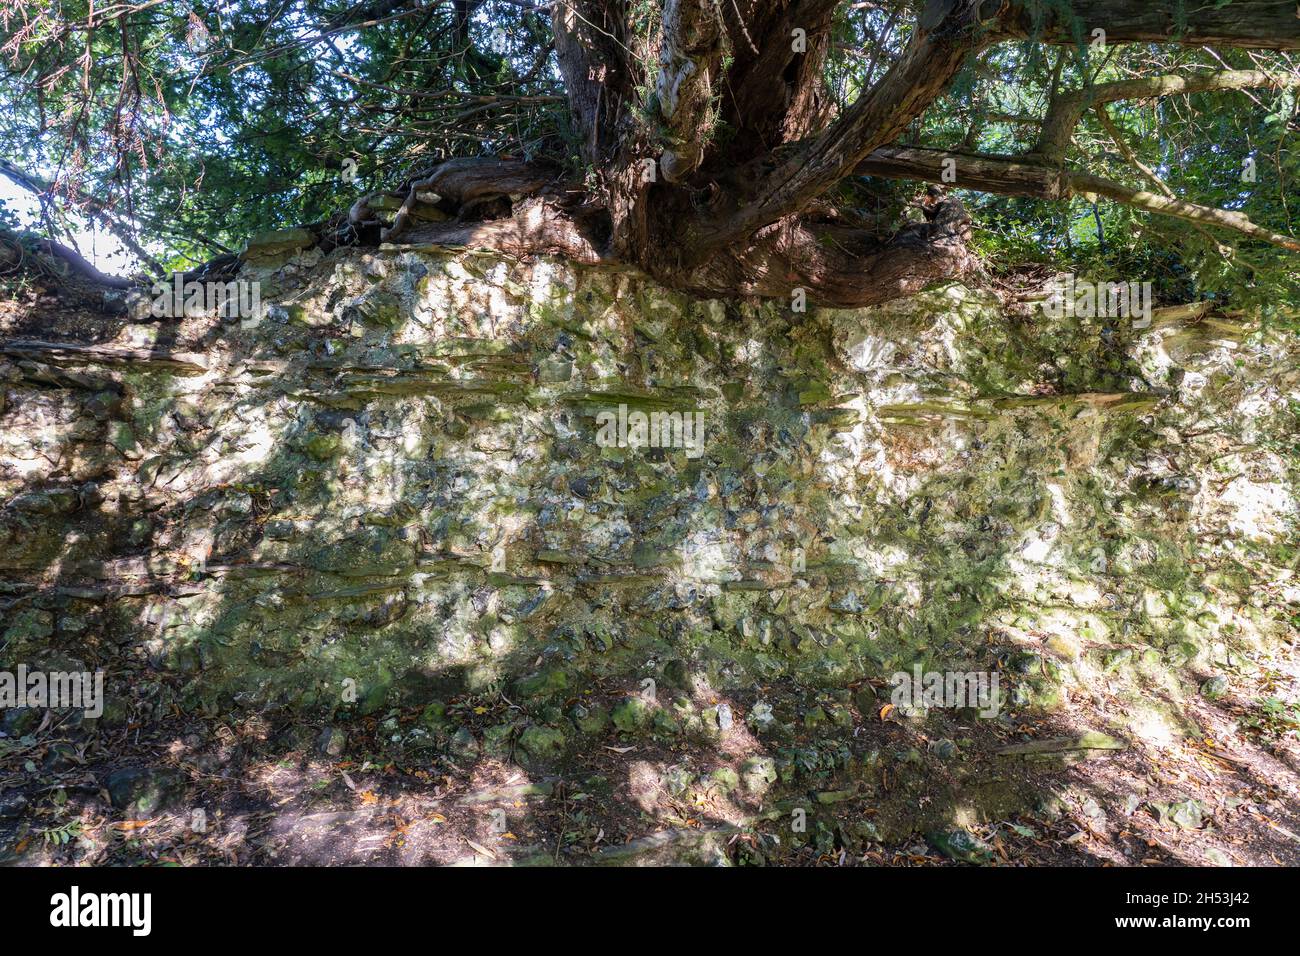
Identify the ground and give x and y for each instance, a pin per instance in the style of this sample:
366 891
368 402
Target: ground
271 797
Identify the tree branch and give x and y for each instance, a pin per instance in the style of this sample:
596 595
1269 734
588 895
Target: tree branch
1126 151
690 60
1014 177
1257 24
1085 185
42 188
948 31
1066 111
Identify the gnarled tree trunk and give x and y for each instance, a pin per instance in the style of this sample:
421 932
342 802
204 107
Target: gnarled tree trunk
747 213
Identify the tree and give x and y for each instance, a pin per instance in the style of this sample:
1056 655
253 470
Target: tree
727 147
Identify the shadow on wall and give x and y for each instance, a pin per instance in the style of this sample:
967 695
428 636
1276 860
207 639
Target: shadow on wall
377 529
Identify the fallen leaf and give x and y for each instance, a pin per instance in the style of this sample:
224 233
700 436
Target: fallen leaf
128 825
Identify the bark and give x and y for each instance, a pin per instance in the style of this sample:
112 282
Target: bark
1067 110
836 263
591 40
601 76
935 54
538 226
1258 24
843 266
773 93
1013 176
1004 175
463 185
690 60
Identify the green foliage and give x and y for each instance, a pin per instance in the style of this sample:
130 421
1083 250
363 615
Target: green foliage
63 834
206 121
201 119
1273 717
1197 144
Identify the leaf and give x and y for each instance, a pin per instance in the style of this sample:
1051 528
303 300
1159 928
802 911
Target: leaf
126 826
482 850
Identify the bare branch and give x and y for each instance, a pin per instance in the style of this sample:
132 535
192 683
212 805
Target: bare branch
1067 110
107 215
1015 177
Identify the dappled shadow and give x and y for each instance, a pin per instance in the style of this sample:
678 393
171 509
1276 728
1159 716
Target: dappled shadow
370 588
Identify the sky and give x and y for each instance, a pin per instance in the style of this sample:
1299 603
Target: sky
103 249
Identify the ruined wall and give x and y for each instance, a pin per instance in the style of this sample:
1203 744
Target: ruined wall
390 480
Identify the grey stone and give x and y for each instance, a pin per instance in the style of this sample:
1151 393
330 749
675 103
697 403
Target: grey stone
332 741
144 791
1216 688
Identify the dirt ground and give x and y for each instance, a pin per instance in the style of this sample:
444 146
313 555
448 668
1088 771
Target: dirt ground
260 792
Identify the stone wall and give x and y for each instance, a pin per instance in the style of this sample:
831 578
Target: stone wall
386 489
